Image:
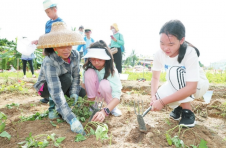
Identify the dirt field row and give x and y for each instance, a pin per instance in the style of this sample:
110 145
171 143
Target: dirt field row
124 130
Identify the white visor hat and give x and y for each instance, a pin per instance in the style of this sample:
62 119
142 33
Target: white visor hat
98 53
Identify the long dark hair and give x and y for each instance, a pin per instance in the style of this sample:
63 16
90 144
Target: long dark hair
177 29
48 51
109 67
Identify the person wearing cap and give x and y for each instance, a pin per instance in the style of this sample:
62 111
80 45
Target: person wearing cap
116 42
101 80
50 7
59 74
88 41
81 30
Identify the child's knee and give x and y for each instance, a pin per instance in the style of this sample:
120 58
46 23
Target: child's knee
90 74
105 86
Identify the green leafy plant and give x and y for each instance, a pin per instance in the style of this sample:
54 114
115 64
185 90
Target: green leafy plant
9 106
5 134
100 132
80 137
178 142
60 121
53 124
203 144
81 107
34 142
3 119
36 116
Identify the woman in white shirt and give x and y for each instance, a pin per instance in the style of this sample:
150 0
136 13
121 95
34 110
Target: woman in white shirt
180 59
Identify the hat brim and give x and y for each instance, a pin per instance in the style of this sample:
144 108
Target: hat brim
98 53
60 36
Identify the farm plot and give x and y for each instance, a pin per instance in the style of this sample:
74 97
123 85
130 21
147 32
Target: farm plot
22 109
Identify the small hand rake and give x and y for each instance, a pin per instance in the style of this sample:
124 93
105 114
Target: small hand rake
96 107
142 126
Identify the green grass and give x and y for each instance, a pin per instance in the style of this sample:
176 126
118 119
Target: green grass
16 74
147 76
215 78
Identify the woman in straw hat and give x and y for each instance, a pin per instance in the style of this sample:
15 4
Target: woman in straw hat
101 79
59 74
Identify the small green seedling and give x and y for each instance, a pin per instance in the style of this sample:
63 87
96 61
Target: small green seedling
33 142
5 134
80 137
36 116
100 133
53 124
60 121
9 106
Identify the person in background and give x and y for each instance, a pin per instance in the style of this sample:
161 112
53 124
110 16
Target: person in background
101 80
81 30
28 59
50 8
116 42
88 41
59 74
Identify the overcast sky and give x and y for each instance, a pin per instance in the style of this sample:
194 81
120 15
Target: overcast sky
139 21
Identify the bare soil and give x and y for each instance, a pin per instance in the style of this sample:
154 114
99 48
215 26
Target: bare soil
124 131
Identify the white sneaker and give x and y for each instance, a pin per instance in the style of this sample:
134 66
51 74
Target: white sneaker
116 112
33 76
24 77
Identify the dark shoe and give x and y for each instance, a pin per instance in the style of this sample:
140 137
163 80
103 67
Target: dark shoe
44 100
187 118
176 113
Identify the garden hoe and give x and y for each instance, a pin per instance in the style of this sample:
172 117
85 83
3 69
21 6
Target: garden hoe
96 107
142 126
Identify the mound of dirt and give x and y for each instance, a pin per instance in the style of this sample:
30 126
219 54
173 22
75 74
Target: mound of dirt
136 135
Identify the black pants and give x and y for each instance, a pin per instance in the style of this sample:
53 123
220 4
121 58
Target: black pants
81 55
65 80
25 65
118 60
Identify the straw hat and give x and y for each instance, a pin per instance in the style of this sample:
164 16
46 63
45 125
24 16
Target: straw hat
60 36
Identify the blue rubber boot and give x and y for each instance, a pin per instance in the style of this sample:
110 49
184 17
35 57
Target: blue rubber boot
52 112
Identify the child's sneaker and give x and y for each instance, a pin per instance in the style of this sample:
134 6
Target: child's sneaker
176 113
24 77
76 126
116 112
33 76
187 118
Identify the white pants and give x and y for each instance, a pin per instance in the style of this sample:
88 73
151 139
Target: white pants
176 80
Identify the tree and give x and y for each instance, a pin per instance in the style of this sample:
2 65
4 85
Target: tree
9 54
73 28
131 60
